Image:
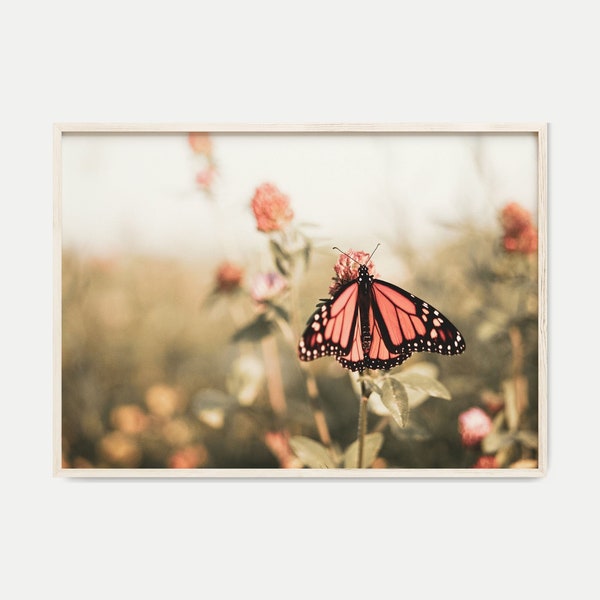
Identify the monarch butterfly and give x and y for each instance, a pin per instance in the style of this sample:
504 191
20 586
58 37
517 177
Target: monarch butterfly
372 324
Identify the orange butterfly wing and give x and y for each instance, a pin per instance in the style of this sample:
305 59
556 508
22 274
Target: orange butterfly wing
409 324
378 357
331 329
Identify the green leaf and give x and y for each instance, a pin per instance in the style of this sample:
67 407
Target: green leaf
210 299
281 257
528 438
424 367
308 224
277 250
312 454
423 383
495 441
306 252
279 310
376 405
283 266
415 397
372 445
494 325
245 379
254 331
416 431
395 399
212 398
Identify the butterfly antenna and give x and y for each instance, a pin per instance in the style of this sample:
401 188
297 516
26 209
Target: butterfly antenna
370 255
336 248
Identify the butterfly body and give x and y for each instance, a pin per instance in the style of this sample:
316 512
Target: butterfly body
372 324
365 281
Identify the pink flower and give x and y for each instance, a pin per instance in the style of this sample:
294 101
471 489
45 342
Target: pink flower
205 178
278 444
267 286
189 457
486 462
514 218
200 143
526 242
473 424
346 269
520 234
228 277
271 208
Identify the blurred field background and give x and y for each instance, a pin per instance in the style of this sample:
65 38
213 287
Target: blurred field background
180 316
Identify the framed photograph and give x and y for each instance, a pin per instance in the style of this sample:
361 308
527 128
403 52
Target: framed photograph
300 300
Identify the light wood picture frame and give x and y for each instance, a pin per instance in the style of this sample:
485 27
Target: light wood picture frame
189 258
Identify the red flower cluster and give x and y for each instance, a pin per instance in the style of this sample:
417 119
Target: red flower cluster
271 208
200 143
189 457
486 462
346 268
473 424
205 178
278 444
519 233
202 146
228 277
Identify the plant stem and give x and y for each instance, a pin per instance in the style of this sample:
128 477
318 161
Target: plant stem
273 375
519 382
317 410
311 387
362 422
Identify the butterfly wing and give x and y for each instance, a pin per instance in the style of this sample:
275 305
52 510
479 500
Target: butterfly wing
332 330
379 355
408 324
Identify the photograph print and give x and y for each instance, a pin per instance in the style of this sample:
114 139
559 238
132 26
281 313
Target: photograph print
300 301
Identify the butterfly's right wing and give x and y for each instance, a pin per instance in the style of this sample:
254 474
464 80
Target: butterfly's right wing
408 324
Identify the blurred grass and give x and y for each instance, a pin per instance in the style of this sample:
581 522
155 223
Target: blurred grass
145 361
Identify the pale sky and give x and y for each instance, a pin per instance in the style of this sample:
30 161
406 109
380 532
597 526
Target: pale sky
137 192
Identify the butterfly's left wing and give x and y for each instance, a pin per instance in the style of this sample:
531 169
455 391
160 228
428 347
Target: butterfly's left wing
409 324
332 328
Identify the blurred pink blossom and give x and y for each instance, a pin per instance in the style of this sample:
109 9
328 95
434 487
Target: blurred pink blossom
266 286
205 178
486 462
189 457
520 234
271 208
228 277
473 424
200 143
278 444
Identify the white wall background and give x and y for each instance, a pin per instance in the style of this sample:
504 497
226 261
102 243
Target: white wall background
267 61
